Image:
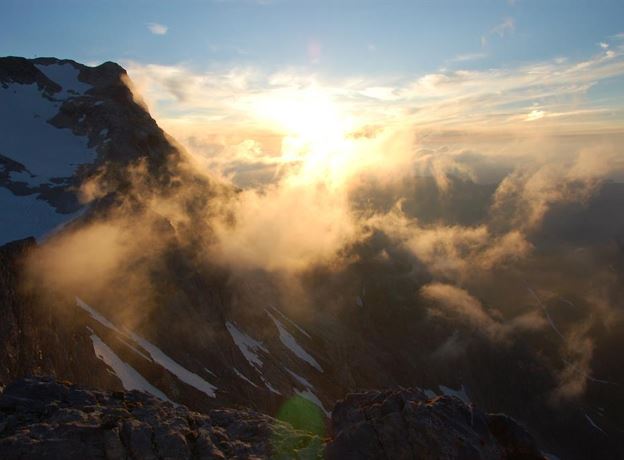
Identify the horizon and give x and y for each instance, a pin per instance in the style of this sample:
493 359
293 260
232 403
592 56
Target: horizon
234 78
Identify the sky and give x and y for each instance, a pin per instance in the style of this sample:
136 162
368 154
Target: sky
249 85
343 37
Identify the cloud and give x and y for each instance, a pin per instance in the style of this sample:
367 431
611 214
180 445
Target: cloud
453 251
157 29
535 115
478 101
291 137
506 27
469 57
459 303
525 196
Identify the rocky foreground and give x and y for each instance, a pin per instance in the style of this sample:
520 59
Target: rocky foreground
45 419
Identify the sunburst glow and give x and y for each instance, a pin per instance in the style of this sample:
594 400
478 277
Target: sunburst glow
315 131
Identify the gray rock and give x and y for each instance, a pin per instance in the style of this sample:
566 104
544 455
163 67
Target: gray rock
42 418
405 424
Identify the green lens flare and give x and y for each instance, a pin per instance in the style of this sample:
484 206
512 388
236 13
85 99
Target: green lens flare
302 415
309 421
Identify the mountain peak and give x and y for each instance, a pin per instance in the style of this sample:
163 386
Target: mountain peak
64 121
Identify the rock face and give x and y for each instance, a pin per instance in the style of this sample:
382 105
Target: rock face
35 336
44 419
406 424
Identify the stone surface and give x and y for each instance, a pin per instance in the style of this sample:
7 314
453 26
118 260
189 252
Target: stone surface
43 418
405 424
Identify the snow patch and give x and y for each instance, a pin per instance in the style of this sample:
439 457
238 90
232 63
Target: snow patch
24 216
46 151
66 75
97 316
248 347
291 322
242 376
157 355
289 341
592 423
210 372
270 387
186 376
310 396
461 393
308 391
130 378
29 179
299 379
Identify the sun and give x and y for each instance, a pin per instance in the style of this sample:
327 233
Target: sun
315 130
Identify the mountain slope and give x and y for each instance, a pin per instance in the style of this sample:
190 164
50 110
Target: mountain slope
60 122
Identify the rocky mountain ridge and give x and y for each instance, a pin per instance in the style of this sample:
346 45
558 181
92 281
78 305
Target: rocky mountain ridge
41 418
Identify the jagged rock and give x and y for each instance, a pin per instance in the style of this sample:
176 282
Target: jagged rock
45 419
42 418
405 424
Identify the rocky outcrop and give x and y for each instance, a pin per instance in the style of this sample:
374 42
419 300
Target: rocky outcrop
406 424
44 419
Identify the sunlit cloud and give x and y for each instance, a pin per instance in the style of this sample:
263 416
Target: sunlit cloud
247 125
157 29
535 115
444 97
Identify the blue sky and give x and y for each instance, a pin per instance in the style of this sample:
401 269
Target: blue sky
344 37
